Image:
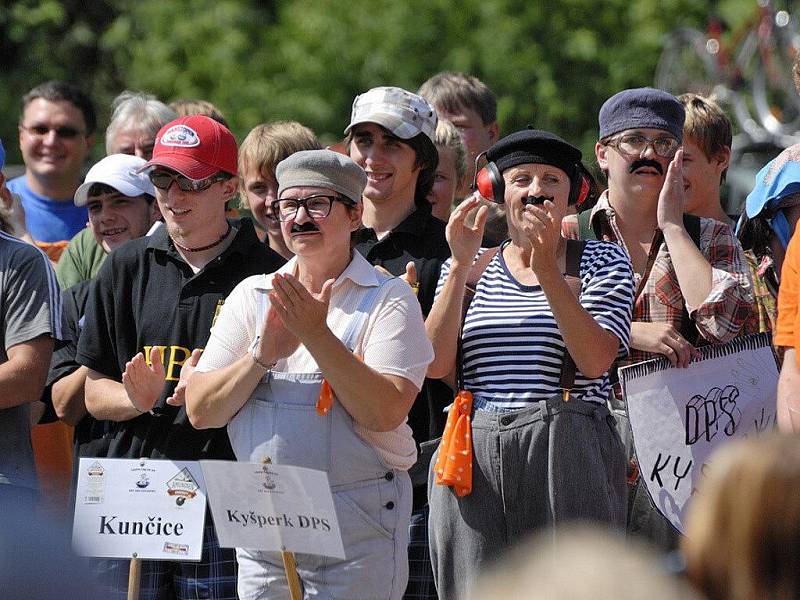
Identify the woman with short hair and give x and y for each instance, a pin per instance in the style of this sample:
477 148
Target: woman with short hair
531 423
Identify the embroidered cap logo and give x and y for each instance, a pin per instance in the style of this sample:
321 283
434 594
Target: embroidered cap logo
180 136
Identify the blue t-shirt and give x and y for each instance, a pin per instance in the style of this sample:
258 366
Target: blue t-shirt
49 220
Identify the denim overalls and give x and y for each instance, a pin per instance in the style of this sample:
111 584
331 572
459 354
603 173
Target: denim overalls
279 423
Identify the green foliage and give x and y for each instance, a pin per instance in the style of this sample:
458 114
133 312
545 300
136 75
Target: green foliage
551 63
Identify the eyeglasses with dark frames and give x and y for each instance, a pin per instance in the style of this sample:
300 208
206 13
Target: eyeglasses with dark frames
317 206
634 144
65 131
163 180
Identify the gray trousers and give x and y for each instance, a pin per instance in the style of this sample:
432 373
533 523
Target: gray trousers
552 463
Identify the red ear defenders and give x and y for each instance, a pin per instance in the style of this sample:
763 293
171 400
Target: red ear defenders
489 183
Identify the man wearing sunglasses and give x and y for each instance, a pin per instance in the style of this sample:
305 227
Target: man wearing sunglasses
148 317
56 132
696 288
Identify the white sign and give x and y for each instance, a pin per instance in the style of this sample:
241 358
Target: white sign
680 416
153 509
272 507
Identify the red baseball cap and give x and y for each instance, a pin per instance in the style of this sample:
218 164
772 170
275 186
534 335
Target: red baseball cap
196 147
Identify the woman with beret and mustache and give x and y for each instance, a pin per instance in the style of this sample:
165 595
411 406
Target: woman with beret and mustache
529 442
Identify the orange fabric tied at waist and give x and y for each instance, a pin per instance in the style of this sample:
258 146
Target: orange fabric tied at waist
325 400
454 463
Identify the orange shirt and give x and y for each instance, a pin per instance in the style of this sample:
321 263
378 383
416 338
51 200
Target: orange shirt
787 327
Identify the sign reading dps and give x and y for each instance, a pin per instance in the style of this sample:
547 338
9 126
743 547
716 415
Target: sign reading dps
152 509
272 507
679 417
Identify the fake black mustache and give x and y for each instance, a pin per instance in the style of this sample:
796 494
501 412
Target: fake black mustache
535 200
645 162
304 227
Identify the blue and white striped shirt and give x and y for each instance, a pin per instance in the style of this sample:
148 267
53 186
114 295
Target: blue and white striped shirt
512 348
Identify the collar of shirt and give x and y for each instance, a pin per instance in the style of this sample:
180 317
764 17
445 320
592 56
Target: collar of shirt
413 224
242 230
359 271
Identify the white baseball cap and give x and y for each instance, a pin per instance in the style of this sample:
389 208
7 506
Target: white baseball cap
403 113
118 171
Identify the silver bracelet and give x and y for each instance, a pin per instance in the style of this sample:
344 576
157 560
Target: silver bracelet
266 368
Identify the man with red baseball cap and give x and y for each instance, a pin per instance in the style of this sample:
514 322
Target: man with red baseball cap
149 314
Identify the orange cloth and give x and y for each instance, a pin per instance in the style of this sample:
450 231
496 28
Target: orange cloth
325 400
454 463
787 327
52 450
53 249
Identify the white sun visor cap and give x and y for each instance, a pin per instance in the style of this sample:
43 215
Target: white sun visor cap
118 171
398 110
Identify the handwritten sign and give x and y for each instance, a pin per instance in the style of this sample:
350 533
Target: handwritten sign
680 416
272 507
153 509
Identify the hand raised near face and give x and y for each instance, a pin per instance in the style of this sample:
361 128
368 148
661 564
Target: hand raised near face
541 224
672 199
465 240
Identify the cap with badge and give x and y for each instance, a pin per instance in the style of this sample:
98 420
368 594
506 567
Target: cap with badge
642 108
196 146
123 172
321 168
401 112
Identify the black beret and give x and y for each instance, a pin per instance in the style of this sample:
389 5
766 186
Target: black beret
534 146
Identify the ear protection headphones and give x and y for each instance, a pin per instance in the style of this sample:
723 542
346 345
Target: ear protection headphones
489 183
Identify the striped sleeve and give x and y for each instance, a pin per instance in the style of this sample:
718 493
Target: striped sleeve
608 289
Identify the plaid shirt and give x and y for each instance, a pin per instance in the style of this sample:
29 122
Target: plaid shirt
721 316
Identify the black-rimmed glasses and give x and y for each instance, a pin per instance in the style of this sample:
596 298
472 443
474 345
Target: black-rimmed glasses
634 144
317 206
163 180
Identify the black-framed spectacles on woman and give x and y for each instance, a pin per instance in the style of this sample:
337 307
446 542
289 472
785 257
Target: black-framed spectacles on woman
317 206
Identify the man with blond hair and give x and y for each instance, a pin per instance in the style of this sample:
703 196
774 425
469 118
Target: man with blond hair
264 147
707 142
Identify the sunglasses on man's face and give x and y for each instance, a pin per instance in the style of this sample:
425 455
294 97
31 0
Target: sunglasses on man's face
163 180
65 132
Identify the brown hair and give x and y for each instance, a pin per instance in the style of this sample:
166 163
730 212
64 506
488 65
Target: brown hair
448 136
743 530
268 144
453 91
426 158
185 108
707 126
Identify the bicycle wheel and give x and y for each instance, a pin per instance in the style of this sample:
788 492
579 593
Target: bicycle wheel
685 65
776 101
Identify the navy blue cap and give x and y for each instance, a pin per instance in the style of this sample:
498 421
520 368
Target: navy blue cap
642 108
2 155
534 146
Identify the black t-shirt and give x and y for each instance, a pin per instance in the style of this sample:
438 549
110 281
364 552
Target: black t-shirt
419 237
145 294
92 437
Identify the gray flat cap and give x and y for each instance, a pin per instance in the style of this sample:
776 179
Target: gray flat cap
321 168
642 108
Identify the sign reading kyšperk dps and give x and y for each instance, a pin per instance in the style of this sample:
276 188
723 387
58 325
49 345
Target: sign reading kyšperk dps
680 416
272 507
152 509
